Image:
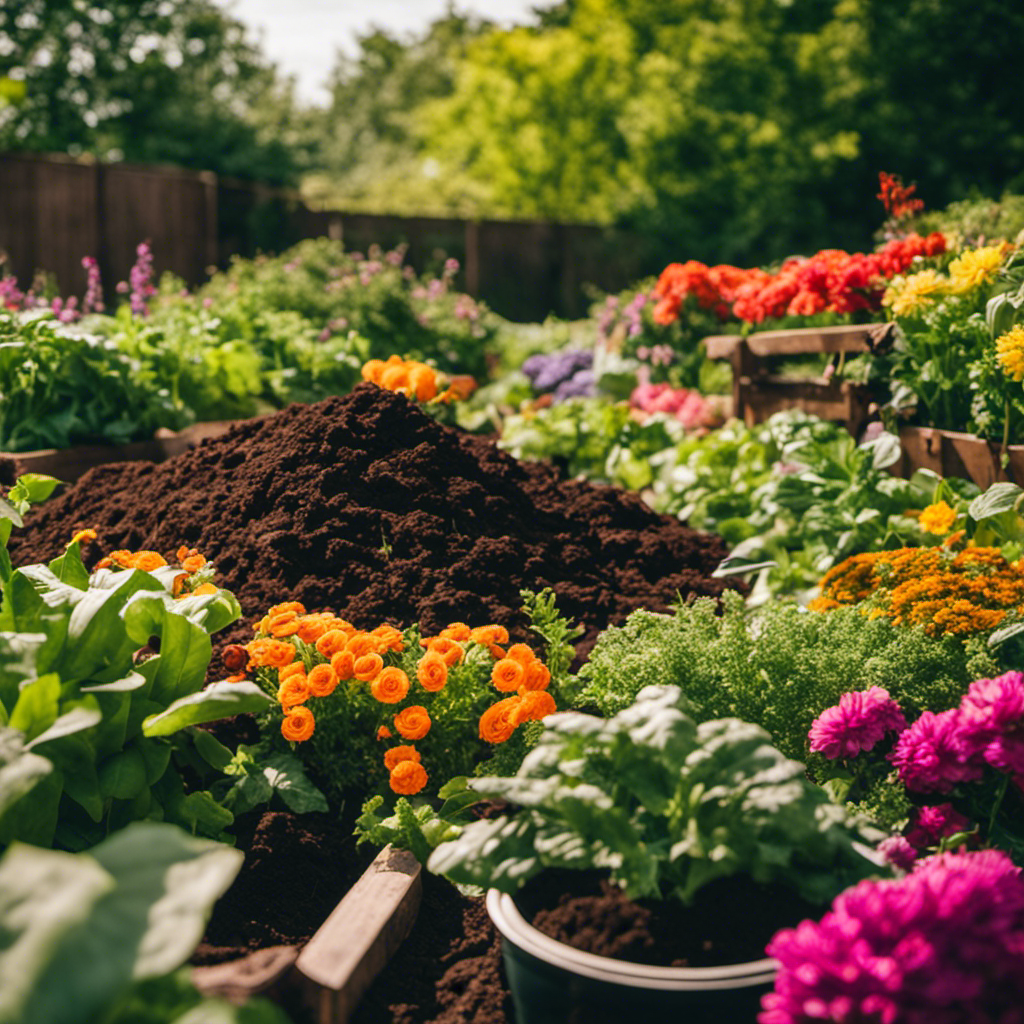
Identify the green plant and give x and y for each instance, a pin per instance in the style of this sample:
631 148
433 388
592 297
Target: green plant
98 936
97 734
780 668
28 490
667 805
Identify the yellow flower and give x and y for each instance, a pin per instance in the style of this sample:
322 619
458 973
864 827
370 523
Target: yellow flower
1010 352
938 518
975 267
906 296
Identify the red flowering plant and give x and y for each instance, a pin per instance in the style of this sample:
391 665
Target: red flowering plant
960 772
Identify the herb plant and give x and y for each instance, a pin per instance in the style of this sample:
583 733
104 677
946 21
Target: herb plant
665 804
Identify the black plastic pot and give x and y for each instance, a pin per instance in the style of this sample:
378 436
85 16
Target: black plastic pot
552 983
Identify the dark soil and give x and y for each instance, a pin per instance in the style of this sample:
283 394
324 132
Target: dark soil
296 869
365 506
730 921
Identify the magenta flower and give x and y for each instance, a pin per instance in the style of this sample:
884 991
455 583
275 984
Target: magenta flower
898 852
92 302
992 721
140 280
944 945
934 824
931 755
856 723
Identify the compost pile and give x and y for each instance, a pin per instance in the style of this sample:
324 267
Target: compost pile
366 506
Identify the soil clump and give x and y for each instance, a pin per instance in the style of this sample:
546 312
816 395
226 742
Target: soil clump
365 506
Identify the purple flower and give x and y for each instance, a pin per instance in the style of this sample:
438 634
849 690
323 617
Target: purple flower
992 721
580 385
92 302
451 266
931 755
140 280
898 852
934 824
856 723
943 945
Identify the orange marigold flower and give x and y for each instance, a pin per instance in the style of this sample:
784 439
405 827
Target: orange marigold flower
344 665
538 677
363 643
407 778
390 686
271 653
204 588
372 370
322 680
413 722
457 631
938 518
432 672
287 606
331 642
294 690
296 668
283 624
395 377
122 558
423 382
488 635
390 637
497 653
396 755
84 536
148 560
311 628
507 675
189 559
368 667
298 724
383 733
496 724
534 705
178 584
521 653
447 649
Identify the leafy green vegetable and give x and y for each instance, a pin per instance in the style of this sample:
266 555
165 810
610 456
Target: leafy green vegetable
665 804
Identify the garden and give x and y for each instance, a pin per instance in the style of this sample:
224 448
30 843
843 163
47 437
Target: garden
395 661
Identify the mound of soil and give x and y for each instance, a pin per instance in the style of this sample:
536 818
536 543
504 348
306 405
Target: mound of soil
365 506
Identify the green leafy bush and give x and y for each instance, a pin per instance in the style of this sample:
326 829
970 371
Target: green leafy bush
779 669
667 805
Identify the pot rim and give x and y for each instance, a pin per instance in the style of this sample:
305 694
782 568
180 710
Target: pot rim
517 930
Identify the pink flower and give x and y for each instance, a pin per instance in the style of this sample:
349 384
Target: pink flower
944 945
856 723
931 755
898 852
992 721
935 823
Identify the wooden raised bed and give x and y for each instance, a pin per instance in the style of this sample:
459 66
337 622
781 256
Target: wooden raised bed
967 456
353 945
757 393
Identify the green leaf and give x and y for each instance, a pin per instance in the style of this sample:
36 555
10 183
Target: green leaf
213 752
69 567
998 498
201 812
217 701
734 565
1000 636
36 707
20 770
885 450
37 487
9 512
287 778
76 720
123 776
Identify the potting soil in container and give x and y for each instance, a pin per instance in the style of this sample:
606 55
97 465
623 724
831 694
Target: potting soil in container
367 507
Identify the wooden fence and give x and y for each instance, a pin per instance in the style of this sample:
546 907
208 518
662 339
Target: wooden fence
54 210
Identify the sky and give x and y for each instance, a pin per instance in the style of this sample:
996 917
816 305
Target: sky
302 36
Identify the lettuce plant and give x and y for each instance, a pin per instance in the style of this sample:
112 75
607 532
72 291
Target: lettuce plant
663 803
91 736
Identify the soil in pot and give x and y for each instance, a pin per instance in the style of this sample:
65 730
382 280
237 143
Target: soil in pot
730 920
365 506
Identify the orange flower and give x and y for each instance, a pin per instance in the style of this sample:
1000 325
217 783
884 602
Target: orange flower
148 560
311 628
496 724
390 637
363 643
394 377
488 635
423 382
457 631
535 704
497 653
236 658
383 733
189 559
521 653
296 668
331 642
204 588
344 665
432 673
322 681
287 606
507 675
538 677
407 778
398 754
413 723
449 650
178 584
293 690
372 370
84 536
390 686
298 724
282 625
367 667
271 653
124 559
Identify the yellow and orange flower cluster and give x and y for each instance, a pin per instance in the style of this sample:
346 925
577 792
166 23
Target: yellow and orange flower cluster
416 380
312 654
192 580
947 594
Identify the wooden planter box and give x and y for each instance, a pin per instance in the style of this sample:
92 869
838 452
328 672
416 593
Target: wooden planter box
353 945
950 453
757 393
68 464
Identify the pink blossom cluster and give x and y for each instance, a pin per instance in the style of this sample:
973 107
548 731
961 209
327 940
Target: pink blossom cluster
686 406
140 280
856 723
943 945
